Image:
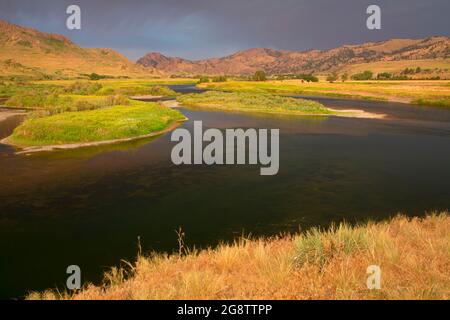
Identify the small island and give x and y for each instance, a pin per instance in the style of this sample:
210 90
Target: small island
266 103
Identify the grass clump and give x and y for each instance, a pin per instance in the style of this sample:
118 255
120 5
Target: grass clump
117 122
242 101
320 246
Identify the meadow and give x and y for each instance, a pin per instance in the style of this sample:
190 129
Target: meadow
316 264
426 92
64 112
253 102
117 122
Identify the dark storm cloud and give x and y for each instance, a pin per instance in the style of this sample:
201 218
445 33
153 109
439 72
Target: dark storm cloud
205 28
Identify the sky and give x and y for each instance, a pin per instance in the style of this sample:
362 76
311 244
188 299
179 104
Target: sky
198 29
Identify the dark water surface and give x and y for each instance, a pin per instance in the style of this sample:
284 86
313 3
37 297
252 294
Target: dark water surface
88 206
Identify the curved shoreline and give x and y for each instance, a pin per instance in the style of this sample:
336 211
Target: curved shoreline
343 113
6 114
25 150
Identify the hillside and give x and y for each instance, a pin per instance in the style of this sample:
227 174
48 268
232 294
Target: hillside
25 51
318 61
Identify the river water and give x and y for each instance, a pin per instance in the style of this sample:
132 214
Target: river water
89 206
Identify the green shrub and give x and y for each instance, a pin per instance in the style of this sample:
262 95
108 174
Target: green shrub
365 75
219 79
260 76
203 79
332 77
384 76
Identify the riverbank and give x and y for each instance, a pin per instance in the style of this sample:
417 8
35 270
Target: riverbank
267 103
5 114
317 264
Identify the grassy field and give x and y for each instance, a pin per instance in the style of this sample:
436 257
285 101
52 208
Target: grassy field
411 91
429 68
253 102
118 122
413 254
84 87
124 82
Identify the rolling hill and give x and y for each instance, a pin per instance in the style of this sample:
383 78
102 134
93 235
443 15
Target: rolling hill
317 61
28 52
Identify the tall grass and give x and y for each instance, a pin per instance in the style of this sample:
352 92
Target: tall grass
413 254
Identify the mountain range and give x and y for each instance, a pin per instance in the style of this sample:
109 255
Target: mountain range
317 61
29 52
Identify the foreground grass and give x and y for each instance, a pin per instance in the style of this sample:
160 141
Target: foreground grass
420 92
253 102
118 122
414 256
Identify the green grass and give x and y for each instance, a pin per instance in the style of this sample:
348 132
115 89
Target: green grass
96 125
45 105
320 246
253 102
285 88
132 90
73 96
400 91
433 102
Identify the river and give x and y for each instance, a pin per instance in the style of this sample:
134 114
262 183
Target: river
89 206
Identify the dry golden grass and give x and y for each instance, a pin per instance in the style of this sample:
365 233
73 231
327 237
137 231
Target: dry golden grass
414 256
435 67
400 91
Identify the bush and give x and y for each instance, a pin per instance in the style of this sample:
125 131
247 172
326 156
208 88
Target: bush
259 76
95 76
203 79
332 77
308 77
219 79
384 76
365 75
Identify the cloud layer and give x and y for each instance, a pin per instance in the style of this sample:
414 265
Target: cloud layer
205 28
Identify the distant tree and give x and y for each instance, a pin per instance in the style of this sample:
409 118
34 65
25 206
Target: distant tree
259 76
344 77
365 75
332 77
94 76
307 77
219 79
408 71
418 69
384 76
203 79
